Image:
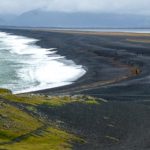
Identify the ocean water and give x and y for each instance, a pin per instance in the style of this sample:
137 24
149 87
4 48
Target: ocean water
26 67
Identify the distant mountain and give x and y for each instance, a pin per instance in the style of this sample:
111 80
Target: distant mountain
2 22
38 18
6 19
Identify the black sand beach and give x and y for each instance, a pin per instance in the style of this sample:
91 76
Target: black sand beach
117 70
117 64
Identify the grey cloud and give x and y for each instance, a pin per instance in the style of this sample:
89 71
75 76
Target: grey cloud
107 6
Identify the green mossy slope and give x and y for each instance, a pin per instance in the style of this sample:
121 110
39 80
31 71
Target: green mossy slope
24 127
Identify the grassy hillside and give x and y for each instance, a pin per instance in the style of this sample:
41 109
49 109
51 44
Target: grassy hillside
32 121
24 126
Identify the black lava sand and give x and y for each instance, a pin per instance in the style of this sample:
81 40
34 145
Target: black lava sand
108 59
118 69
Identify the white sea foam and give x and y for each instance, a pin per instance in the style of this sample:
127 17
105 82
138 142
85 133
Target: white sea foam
34 68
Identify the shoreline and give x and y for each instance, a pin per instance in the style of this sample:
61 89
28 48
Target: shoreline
118 76
111 60
34 60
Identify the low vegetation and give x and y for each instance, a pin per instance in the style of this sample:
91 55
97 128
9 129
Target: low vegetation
24 126
15 123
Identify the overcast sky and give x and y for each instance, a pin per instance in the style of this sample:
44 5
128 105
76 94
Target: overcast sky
107 6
